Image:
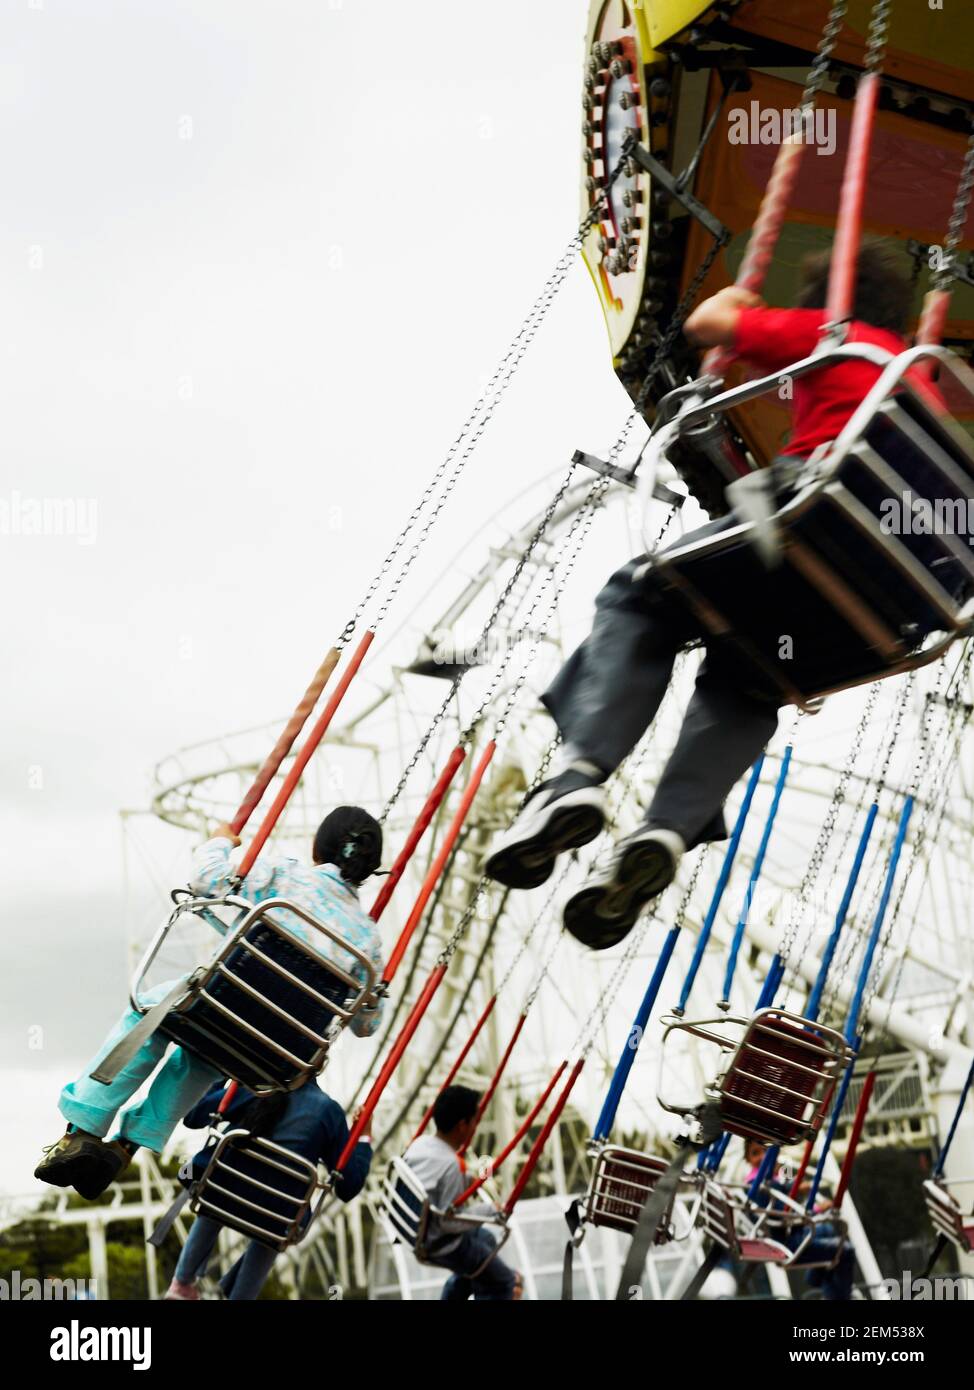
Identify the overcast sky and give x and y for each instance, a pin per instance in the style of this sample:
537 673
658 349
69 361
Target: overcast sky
257 261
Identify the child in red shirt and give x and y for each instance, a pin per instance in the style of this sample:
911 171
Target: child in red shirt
607 694
774 339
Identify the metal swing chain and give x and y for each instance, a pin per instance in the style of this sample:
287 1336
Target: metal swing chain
615 782
452 945
587 510
600 487
934 803
817 859
941 278
877 35
484 634
666 342
941 812
525 941
818 72
860 927
583 1045
484 406
857 929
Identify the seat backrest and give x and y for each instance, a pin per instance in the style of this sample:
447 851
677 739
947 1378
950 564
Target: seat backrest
774 1082
944 1210
266 1007
716 1216
405 1205
257 1187
621 1184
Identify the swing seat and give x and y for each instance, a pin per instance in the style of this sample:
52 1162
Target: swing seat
755 1250
406 1214
258 1188
781 1233
861 589
776 1074
947 1216
267 1007
622 1182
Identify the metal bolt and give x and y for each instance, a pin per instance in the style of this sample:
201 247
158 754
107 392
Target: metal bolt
619 67
659 88
629 99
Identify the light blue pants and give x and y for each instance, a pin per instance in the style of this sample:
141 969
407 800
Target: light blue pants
181 1081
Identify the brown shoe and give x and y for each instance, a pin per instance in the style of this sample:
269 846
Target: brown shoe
84 1162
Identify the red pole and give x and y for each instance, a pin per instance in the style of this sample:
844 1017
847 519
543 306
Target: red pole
764 236
531 1162
436 868
226 1098
488 1095
303 758
461 1057
391 1062
854 1137
848 230
523 1128
417 832
283 745
933 319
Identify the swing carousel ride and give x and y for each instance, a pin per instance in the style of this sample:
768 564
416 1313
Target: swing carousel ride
807 983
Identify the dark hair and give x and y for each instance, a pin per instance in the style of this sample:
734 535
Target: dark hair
883 295
350 839
454 1104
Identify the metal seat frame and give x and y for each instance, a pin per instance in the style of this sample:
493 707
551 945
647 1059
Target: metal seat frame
612 1186
730 1219
828 1055
406 1225
946 1213
210 1195
198 984
893 651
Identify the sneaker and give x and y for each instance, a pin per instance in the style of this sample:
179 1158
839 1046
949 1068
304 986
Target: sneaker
563 813
181 1293
84 1162
605 909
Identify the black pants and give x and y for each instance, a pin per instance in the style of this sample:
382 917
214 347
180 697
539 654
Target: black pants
606 695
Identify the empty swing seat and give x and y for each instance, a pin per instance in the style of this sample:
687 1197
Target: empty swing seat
622 1182
781 1233
866 586
776 1075
947 1216
258 1188
266 1008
